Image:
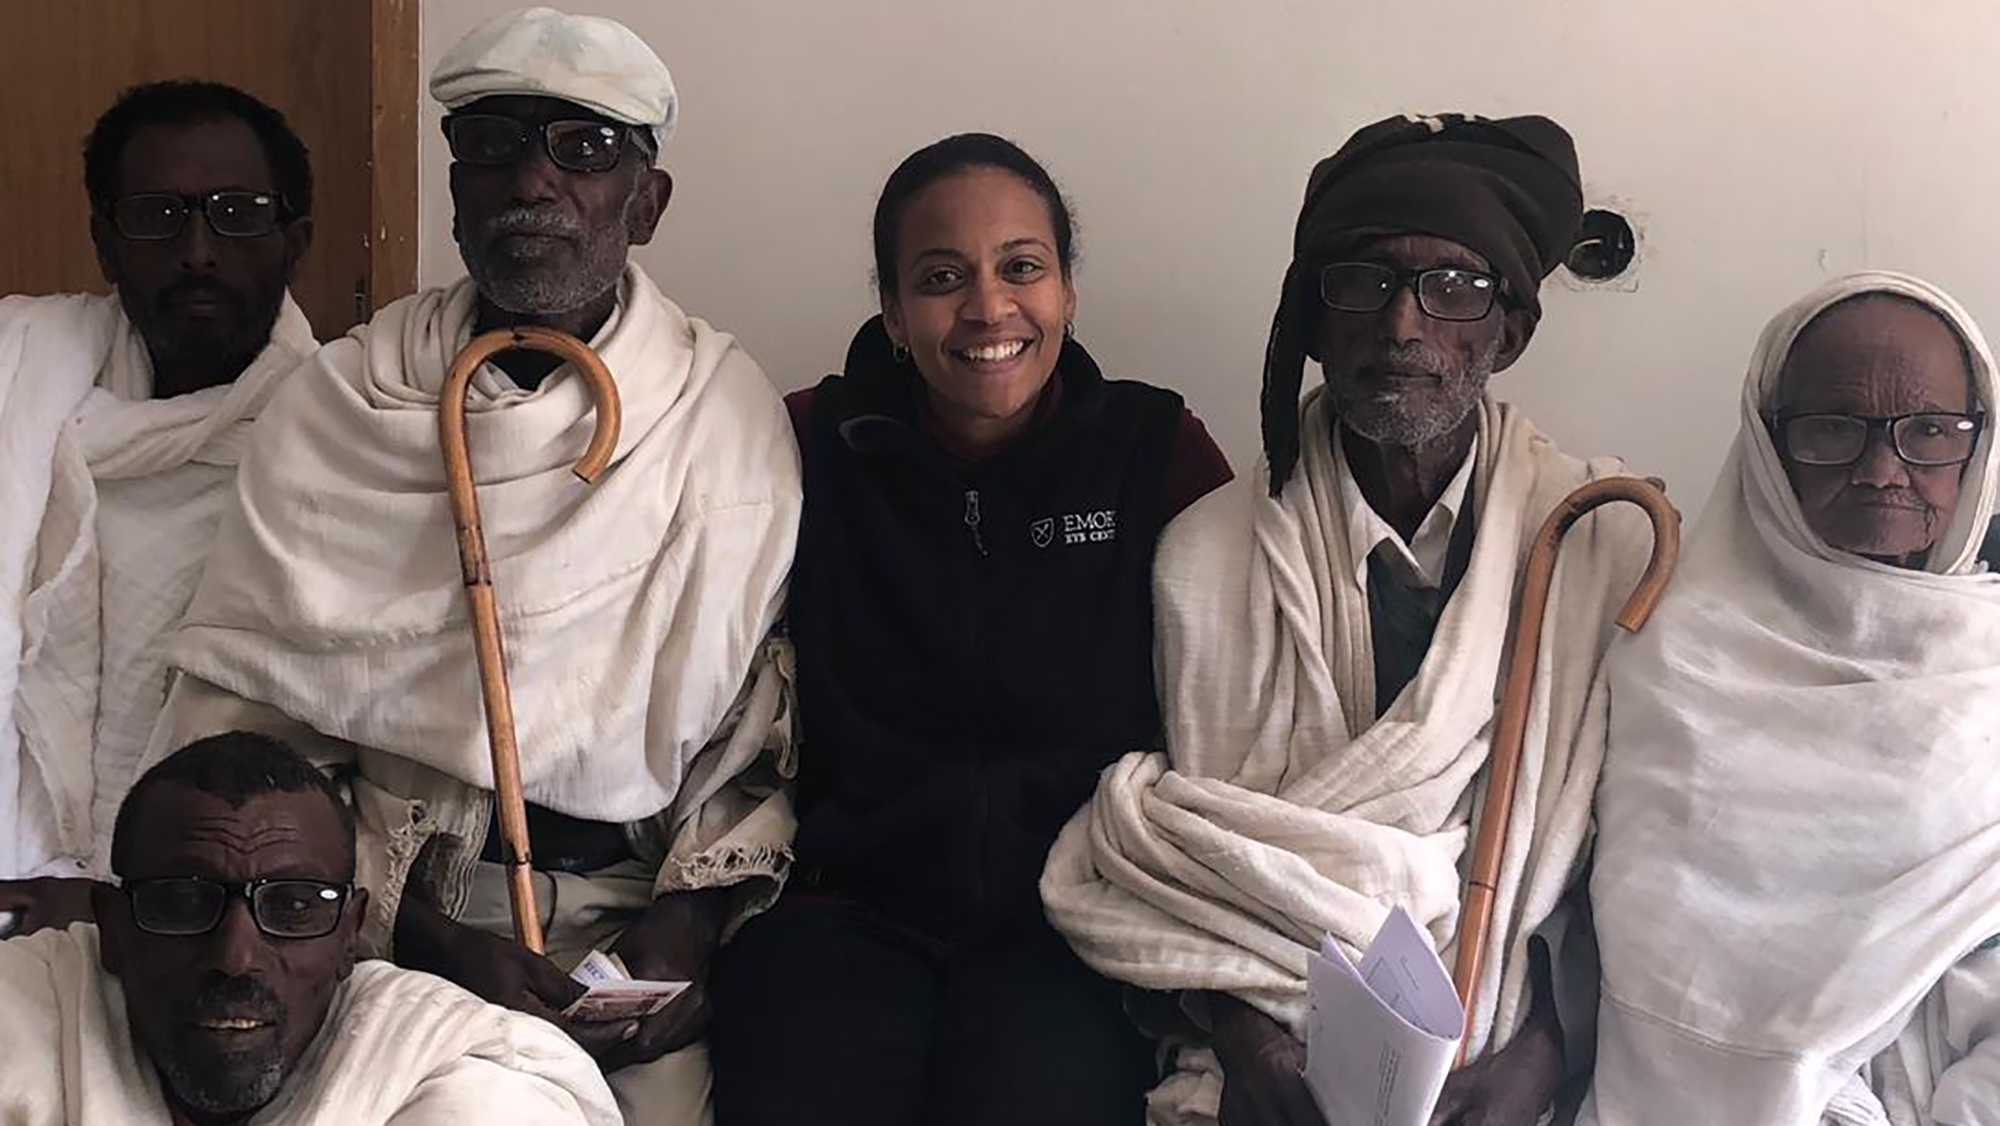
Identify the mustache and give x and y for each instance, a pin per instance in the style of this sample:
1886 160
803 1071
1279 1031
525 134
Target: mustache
222 998
1413 357
188 289
546 221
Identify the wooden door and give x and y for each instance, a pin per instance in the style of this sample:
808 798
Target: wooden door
343 72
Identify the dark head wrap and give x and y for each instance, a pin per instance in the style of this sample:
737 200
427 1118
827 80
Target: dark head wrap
1507 189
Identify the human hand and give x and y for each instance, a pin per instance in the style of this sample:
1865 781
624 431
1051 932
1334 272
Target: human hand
45 903
672 941
502 972
1263 1069
1511 1087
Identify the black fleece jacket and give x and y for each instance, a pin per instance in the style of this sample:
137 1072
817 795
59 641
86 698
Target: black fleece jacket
974 642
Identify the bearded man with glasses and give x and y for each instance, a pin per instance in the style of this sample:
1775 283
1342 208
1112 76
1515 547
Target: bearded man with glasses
220 982
1330 642
123 419
649 702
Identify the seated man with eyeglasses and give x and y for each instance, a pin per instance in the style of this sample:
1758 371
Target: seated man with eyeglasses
648 700
219 983
1330 646
1797 883
123 418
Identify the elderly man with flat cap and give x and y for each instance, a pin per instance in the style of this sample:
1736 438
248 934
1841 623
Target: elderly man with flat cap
1330 646
649 702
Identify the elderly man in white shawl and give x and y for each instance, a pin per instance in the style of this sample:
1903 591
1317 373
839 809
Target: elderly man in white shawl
1330 644
650 704
123 419
1798 881
219 985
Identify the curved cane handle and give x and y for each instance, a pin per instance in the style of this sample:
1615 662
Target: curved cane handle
510 804
1510 729
532 338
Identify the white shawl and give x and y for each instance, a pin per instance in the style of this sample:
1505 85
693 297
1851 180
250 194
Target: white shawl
1800 815
1282 809
631 608
399 1048
130 488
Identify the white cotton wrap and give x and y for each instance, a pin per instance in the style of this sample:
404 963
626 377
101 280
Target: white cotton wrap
1283 810
398 1048
631 608
1800 815
130 490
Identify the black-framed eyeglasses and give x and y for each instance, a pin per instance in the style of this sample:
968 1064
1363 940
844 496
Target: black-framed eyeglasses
1446 293
157 216
181 906
579 145
1928 438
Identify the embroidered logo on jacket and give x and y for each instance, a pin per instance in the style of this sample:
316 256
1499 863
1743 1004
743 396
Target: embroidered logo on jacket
1100 526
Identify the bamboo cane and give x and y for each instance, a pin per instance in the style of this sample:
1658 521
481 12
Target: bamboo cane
509 803
1489 848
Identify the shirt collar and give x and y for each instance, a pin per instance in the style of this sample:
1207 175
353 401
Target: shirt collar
1419 563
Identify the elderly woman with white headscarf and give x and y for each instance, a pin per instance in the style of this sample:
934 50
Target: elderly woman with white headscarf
1799 863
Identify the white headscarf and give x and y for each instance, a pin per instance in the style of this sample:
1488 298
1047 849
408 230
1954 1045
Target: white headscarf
1957 551
1799 814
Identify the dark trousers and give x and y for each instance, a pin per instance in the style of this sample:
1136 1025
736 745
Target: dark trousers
828 1013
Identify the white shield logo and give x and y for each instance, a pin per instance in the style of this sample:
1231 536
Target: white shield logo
1042 531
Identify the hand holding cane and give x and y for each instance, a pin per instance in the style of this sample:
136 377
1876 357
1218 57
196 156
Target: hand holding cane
509 803
1489 848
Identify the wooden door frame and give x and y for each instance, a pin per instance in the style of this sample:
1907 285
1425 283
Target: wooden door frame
394 47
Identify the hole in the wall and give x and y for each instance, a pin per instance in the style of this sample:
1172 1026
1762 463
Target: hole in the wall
1604 246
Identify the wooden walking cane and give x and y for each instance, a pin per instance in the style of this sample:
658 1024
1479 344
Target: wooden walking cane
509 803
1504 767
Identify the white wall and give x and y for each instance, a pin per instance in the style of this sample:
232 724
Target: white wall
1760 145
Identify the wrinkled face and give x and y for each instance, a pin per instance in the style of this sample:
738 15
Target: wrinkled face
1399 377
1877 357
981 297
200 298
226 1015
539 239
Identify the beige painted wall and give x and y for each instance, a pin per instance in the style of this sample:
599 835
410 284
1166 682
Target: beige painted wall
1760 145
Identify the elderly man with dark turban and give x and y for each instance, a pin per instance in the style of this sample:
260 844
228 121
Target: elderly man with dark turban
1330 644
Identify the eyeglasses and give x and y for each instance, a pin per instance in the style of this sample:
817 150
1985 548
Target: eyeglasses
1925 438
491 140
1444 293
185 906
157 216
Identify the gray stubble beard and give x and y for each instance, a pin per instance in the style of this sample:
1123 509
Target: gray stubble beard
1394 425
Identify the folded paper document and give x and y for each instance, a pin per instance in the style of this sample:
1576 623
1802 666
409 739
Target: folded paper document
613 994
1382 1035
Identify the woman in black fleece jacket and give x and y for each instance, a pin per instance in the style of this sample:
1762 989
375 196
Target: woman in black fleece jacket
971 605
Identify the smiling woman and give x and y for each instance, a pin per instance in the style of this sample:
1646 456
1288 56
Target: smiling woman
976 288
971 606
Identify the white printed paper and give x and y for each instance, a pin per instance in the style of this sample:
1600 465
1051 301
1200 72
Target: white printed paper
1381 1037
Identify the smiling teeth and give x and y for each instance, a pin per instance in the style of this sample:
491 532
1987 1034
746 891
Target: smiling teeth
990 353
232 1025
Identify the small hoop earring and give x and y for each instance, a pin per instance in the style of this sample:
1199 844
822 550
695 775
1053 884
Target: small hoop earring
900 351
1069 330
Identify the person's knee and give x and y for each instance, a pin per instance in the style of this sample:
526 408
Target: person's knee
822 1017
1034 1036
673 1090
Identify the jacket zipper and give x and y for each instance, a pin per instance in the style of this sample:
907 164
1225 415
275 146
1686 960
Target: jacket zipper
972 520
984 811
